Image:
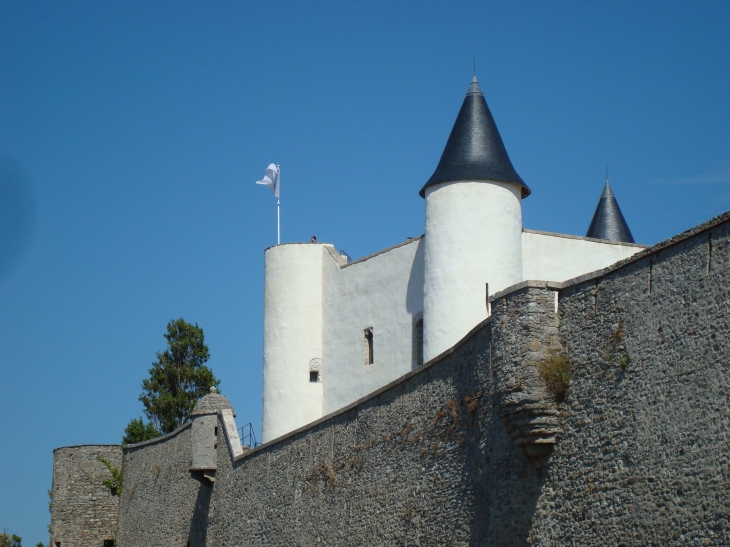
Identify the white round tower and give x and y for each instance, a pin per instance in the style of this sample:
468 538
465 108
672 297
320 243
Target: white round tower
473 226
292 337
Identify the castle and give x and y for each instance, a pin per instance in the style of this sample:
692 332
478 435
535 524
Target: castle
406 398
335 331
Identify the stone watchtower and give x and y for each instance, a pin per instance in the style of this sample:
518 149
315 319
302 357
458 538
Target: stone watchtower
204 434
84 511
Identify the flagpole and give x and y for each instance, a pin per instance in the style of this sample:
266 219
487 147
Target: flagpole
278 208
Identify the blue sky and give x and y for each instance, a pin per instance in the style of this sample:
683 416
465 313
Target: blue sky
131 135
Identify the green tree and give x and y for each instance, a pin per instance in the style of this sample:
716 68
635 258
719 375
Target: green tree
137 431
7 540
178 378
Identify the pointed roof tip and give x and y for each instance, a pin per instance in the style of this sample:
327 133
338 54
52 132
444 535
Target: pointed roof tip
475 150
607 189
474 86
608 222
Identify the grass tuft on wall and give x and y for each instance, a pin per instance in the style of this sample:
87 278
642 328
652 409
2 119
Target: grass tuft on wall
555 372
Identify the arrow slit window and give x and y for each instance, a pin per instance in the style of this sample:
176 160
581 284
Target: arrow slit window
368 346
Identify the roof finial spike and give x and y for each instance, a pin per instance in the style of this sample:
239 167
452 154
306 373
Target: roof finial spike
606 171
475 67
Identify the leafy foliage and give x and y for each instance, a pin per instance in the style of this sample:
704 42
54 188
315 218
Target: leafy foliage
114 484
137 431
7 540
178 378
555 371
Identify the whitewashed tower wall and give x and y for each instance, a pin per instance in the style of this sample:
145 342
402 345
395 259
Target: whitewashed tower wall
292 337
473 237
473 226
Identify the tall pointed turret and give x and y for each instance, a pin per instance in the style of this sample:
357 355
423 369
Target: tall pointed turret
473 227
475 150
608 222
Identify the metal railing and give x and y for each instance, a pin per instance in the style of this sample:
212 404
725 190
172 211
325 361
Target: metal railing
246 433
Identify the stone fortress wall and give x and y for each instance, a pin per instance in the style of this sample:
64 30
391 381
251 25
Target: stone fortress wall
84 513
471 448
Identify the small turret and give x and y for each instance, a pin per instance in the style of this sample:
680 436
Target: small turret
608 222
204 434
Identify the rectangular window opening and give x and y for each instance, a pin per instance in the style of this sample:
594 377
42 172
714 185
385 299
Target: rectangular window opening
418 342
314 376
369 359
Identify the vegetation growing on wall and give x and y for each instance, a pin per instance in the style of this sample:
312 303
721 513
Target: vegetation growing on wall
555 372
114 483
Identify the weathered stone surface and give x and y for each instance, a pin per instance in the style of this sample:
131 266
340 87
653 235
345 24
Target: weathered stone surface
473 450
83 511
643 456
159 498
211 404
526 408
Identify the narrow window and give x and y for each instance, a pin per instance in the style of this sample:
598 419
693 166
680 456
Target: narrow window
418 342
368 346
109 543
216 431
315 368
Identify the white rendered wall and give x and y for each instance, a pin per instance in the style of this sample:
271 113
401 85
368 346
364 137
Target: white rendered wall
384 292
473 237
557 257
292 336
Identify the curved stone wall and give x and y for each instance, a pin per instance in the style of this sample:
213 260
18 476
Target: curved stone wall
84 512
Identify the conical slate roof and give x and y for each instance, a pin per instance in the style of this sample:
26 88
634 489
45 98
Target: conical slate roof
608 222
475 150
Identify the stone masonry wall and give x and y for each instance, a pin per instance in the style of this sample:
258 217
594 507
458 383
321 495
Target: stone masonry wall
159 498
83 511
643 457
472 448
426 461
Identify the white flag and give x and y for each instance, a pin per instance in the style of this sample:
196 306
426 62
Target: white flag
271 179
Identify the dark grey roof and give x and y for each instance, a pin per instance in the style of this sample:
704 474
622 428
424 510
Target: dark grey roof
608 222
475 150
